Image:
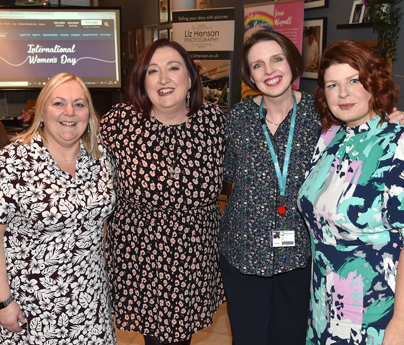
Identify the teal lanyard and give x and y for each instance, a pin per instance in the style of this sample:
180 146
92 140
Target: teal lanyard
281 177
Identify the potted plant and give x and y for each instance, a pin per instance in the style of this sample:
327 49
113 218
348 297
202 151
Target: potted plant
386 18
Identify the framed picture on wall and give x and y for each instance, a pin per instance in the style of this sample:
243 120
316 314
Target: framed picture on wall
308 4
139 41
131 44
150 34
357 12
163 33
164 11
314 34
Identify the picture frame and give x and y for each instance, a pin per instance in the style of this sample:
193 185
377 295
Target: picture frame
357 12
314 43
163 33
310 4
131 44
150 34
139 41
164 11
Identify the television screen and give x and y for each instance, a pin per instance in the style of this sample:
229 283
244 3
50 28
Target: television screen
36 44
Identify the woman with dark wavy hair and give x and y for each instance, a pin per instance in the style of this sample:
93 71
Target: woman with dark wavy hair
162 250
352 201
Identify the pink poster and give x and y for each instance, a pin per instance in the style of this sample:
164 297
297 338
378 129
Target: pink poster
284 17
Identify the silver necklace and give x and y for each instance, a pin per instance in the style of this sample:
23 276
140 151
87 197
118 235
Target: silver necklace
276 124
173 170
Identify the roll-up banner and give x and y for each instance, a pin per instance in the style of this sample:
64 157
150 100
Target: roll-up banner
284 16
208 36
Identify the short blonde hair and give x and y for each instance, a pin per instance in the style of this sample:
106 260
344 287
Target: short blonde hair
89 137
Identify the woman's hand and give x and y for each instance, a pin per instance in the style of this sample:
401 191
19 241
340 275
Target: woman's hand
394 334
9 317
396 116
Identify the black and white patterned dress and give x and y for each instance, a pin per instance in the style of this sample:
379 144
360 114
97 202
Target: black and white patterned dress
54 245
162 250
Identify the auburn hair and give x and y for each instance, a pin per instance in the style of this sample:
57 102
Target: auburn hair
374 75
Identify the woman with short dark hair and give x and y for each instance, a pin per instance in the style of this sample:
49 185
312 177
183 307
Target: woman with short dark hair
352 201
162 250
264 244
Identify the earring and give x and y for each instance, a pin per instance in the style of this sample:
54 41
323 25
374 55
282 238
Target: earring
41 124
88 128
188 96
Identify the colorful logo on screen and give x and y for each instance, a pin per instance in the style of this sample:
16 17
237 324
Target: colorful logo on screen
258 20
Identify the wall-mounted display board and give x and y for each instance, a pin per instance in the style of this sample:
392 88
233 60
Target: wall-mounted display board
208 36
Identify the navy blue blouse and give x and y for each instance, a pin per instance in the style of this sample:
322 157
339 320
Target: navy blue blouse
251 212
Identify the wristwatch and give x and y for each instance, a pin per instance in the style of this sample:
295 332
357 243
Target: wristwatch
6 303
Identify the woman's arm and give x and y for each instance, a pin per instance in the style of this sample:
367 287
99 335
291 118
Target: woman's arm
394 334
12 313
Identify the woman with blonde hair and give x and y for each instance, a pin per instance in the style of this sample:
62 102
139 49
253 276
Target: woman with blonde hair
56 191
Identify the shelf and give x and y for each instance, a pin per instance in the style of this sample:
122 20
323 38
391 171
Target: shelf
354 26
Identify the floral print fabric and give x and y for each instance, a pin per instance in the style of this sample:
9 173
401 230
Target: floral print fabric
54 245
162 247
352 203
251 212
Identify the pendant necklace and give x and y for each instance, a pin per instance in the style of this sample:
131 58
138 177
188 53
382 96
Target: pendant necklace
173 170
281 176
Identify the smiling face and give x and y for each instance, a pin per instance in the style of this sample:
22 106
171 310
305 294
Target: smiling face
346 97
66 116
167 82
269 69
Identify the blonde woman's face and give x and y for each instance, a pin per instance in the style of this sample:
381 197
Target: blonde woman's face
66 115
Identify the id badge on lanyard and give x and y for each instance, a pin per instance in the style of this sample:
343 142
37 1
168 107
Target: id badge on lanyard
281 238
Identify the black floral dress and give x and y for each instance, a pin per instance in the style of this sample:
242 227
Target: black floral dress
54 245
162 250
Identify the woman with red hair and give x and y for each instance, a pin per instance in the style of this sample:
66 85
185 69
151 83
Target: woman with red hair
352 201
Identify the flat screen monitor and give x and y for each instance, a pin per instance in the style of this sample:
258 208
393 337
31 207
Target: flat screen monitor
36 44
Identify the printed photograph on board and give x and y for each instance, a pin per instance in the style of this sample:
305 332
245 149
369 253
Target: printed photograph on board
214 76
313 45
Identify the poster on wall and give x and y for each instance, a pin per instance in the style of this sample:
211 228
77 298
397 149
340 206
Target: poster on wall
208 35
285 17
